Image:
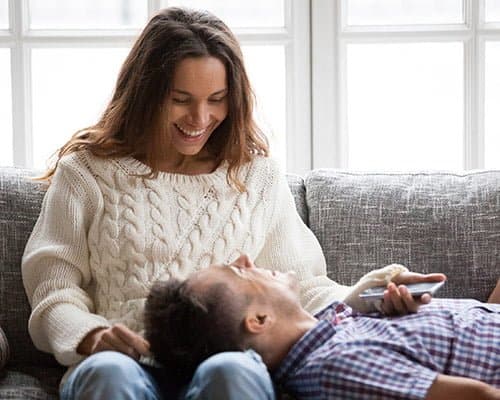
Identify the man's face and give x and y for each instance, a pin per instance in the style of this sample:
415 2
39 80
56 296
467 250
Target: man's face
279 289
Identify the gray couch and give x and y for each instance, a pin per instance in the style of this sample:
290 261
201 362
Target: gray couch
427 221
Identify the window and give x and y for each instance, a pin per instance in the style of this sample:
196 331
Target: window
65 56
406 85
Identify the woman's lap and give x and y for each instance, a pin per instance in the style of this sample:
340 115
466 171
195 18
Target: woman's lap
105 375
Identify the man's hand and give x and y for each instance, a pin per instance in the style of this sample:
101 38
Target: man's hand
397 298
116 338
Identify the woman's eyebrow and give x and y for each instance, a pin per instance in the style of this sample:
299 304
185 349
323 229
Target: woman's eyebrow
180 91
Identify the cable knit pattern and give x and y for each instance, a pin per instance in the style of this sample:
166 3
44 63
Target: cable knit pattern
105 234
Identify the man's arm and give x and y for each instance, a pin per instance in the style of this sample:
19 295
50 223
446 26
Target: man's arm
447 387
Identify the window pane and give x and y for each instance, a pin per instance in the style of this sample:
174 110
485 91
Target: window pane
269 83
4 14
87 14
71 87
492 105
403 12
492 10
5 109
404 106
242 13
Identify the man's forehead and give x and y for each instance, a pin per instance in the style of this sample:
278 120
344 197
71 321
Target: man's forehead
210 275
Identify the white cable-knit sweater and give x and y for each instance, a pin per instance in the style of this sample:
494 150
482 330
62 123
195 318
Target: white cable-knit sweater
105 234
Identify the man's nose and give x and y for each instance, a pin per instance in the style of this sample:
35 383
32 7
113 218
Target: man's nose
244 261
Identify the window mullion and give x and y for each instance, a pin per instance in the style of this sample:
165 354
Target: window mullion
326 149
153 7
473 90
298 87
20 73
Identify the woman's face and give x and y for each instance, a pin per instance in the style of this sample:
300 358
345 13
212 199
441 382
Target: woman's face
197 104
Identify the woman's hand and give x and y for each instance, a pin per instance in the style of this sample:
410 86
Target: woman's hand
397 298
116 338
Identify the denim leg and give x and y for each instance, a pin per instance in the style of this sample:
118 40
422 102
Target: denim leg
231 376
110 375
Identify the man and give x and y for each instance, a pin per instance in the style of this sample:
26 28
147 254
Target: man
450 349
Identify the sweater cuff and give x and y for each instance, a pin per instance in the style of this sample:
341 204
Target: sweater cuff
64 327
378 277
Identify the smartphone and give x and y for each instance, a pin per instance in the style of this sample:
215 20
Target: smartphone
416 290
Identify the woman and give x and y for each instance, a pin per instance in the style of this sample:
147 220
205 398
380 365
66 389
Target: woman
175 176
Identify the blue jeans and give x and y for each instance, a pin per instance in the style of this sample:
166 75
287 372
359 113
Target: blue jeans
112 375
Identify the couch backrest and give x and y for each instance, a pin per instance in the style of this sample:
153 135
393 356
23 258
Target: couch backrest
20 201
430 222
298 189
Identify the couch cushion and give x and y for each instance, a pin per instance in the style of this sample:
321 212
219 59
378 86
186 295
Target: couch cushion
430 222
296 184
20 201
39 384
4 349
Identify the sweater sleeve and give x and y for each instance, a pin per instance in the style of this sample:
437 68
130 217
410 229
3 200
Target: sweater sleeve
55 265
291 246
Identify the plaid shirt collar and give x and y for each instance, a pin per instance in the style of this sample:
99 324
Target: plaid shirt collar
313 339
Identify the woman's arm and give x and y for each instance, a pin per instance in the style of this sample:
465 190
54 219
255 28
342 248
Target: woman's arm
447 387
55 264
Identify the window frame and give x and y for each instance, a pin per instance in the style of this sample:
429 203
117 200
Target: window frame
294 36
329 41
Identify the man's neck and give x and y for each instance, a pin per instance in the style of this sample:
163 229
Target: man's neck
275 346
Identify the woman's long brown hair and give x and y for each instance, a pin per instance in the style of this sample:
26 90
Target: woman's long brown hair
133 121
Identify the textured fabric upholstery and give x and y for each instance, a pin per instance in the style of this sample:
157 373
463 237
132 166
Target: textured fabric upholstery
429 222
4 350
30 383
298 190
20 201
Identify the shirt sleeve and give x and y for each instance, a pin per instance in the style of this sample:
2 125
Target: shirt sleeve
291 246
55 265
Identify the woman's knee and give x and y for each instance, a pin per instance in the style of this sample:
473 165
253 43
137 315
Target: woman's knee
237 374
109 365
109 373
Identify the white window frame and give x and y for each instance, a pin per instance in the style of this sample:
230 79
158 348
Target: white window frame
329 42
295 37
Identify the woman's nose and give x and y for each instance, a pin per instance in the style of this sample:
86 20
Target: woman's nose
200 115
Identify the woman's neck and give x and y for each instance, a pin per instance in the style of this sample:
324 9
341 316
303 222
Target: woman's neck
187 165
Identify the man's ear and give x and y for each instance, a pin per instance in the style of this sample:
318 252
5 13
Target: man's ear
257 323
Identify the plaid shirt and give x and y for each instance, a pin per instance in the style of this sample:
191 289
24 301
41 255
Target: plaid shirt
349 355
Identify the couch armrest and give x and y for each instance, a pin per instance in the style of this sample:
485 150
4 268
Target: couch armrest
4 349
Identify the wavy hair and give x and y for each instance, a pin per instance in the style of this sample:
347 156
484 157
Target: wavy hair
133 124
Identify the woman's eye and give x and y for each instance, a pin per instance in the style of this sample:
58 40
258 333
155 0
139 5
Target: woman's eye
218 100
180 101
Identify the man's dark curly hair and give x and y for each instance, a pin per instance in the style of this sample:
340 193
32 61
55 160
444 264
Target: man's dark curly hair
184 328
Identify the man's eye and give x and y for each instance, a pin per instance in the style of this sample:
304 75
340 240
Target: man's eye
237 269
